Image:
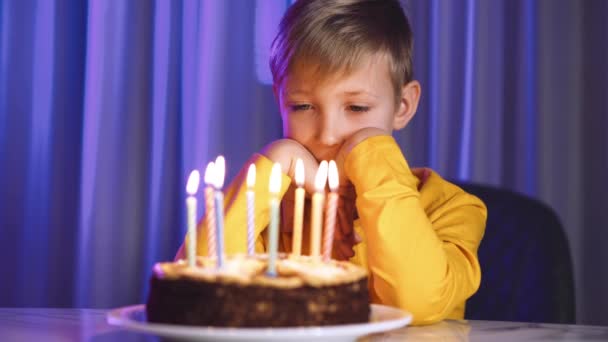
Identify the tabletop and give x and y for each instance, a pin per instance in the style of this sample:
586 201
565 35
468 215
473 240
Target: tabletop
45 324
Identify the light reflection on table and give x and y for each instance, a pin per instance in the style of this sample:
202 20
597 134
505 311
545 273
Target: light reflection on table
28 324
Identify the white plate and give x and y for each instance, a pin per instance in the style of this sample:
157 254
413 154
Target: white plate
383 318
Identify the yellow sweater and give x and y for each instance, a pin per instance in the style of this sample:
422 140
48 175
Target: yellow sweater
420 238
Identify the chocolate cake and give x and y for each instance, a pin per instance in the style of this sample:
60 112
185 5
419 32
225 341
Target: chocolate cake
306 292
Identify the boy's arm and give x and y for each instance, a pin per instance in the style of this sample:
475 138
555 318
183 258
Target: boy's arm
422 261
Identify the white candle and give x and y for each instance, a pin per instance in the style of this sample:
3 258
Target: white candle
273 236
298 211
317 210
218 183
330 213
191 188
210 211
250 209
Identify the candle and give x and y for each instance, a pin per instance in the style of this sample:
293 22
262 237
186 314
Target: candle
273 236
298 210
250 208
317 209
191 188
218 183
210 210
330 213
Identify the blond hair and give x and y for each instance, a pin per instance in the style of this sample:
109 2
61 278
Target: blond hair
335 35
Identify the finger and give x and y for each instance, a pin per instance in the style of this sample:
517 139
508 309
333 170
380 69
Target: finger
347 191
288 199
357 237
338 232
346 250
345 223
286 222
339 253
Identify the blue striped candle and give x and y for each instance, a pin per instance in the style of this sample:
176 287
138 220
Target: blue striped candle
273 236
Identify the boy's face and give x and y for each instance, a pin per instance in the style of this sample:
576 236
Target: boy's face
321 112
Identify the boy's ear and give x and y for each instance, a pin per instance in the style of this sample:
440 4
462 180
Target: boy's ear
408 104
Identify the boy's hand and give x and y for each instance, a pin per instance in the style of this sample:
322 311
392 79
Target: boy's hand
344 235
286 152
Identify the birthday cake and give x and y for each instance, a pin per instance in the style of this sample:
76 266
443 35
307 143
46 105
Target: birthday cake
305 292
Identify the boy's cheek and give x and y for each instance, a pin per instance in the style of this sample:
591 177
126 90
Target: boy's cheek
298 130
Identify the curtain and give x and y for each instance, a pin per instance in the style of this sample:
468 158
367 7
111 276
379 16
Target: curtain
106 106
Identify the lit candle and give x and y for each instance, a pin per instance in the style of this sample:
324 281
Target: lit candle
298 210
250 208
330 213
210 210
218 183
191 188
273 236
317 209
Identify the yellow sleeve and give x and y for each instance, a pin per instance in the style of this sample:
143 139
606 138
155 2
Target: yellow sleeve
235 209
421 252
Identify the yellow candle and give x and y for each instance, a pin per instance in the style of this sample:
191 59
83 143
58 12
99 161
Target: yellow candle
317 210
191 188
298 210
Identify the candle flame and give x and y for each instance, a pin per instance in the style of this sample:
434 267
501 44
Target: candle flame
321 177
209 175
334 180
193 180
219 172
251 176
299 172
275 179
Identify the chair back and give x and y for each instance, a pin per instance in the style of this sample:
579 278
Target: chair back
525 261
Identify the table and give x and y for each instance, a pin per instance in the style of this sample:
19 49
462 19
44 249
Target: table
29 324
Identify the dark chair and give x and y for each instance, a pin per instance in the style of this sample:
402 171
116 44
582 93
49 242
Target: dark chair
525 261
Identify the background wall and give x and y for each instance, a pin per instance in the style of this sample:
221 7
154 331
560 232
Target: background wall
106 106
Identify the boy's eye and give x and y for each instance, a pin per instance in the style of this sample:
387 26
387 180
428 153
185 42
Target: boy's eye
355 108
300 107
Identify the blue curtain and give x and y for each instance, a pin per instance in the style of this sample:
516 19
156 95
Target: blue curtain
106 106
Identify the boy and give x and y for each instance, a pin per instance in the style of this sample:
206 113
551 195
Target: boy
342 74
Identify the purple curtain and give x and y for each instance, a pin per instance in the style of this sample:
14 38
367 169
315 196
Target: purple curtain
106 106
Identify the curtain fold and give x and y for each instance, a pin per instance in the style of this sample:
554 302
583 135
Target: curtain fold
106 107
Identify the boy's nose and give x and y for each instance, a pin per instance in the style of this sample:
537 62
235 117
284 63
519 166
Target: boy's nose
328 133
